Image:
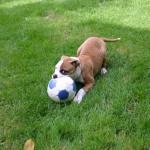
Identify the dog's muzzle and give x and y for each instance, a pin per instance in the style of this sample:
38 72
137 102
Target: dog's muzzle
54 76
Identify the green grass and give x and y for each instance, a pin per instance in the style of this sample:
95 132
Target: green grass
115 114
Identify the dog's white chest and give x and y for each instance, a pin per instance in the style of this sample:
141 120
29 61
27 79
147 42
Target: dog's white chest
77 76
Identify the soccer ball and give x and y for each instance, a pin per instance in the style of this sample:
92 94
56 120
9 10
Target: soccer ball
61 89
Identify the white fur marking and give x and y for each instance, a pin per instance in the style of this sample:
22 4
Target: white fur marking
103 71
77 76
79 96
57 69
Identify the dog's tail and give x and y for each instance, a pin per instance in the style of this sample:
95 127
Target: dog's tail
110 40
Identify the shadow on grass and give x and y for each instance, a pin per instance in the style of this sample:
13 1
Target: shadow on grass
124 54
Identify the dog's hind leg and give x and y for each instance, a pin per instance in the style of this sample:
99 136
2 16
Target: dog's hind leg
103 68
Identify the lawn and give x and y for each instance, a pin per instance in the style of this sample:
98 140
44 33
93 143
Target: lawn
115 114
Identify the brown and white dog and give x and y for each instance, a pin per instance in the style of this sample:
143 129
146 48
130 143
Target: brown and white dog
91 58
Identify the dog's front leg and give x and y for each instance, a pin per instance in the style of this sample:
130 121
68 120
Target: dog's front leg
79 96
82 92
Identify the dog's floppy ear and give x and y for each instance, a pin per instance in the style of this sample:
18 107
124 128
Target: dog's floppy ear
75 63
62 57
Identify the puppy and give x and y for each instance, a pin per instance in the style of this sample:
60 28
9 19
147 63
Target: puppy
91 58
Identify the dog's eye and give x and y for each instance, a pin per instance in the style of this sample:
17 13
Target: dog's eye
64 72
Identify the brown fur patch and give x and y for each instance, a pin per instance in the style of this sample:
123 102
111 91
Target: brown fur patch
68 65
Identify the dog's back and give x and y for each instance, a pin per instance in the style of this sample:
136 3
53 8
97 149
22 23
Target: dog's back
93 50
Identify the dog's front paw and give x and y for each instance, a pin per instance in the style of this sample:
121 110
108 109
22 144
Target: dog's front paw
79 96
77 99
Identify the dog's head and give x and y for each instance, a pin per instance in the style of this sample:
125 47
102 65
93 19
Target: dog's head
67 66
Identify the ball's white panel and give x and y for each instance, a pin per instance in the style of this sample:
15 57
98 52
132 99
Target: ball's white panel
60 85
71 95
54 91
68 80
69 87
56 98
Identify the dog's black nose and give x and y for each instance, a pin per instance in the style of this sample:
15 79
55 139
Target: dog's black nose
55 76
